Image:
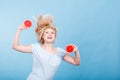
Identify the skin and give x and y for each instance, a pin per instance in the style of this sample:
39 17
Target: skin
49 38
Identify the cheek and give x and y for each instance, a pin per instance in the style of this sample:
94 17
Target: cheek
44 35
54 36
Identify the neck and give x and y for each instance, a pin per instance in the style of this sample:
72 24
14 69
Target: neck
47 45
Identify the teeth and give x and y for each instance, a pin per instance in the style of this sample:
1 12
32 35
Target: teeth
49 37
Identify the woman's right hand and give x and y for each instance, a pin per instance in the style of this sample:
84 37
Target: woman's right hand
22 27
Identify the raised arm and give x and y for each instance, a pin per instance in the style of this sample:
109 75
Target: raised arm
73 60
17 46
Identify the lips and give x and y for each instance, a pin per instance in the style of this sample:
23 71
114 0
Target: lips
49 37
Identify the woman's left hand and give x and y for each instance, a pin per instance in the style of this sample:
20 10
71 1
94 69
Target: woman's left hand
75 48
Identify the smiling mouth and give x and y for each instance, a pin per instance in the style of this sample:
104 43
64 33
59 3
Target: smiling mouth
49 37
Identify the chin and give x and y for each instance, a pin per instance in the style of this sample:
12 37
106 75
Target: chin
50 41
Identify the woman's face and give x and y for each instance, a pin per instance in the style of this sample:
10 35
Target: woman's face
49 35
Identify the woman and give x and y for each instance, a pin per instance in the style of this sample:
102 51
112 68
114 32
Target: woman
46 57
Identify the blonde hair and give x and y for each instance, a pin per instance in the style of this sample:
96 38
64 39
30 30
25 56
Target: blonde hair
44 22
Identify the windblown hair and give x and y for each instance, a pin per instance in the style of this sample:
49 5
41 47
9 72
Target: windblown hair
44 22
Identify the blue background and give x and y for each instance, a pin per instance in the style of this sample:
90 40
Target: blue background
93 25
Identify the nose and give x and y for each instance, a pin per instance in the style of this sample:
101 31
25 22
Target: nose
49 34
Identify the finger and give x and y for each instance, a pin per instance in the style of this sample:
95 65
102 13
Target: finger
24 27
75 47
